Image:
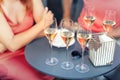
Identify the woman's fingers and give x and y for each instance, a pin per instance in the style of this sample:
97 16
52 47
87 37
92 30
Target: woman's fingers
47 14
46 10
47 18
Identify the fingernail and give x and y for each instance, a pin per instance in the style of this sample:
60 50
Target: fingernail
46 8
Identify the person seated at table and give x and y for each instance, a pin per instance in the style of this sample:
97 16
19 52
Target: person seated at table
21 21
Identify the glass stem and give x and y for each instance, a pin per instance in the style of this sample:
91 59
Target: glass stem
67 57
51 50
90 29
82 61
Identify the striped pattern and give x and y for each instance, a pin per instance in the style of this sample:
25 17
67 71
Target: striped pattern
103 55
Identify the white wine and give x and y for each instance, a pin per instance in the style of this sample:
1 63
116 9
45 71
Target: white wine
83 38
67 36
50 33
108 24
89 19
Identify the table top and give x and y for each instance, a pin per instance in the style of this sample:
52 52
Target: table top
38 50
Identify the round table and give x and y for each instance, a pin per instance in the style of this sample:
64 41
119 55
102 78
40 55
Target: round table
38 50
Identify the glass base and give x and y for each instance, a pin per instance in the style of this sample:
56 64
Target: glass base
51 61
82 68
67 65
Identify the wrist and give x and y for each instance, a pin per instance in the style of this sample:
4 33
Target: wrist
66 16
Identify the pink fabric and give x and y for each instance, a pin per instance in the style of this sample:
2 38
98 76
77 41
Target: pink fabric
26 24
13 66
99 11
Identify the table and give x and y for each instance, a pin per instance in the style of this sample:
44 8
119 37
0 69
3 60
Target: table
38 50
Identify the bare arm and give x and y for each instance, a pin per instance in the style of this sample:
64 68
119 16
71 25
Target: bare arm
14 42
66 8
38 9
114 33
2 48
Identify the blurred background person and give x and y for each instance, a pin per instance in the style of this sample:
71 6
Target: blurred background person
65 9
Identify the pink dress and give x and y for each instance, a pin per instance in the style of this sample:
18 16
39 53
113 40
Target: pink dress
99 11
13 66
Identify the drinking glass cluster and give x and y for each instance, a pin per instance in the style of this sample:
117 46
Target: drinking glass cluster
83 36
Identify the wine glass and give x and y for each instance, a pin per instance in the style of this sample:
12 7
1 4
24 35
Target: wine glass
89 16
109 20
83 37
67 35
50 34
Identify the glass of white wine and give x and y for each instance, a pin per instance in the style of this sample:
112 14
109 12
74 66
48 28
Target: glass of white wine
50 34
109 20
89 16
83 37
67 35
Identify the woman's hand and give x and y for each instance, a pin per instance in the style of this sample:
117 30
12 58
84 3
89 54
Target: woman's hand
46 21
47 18
114 33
